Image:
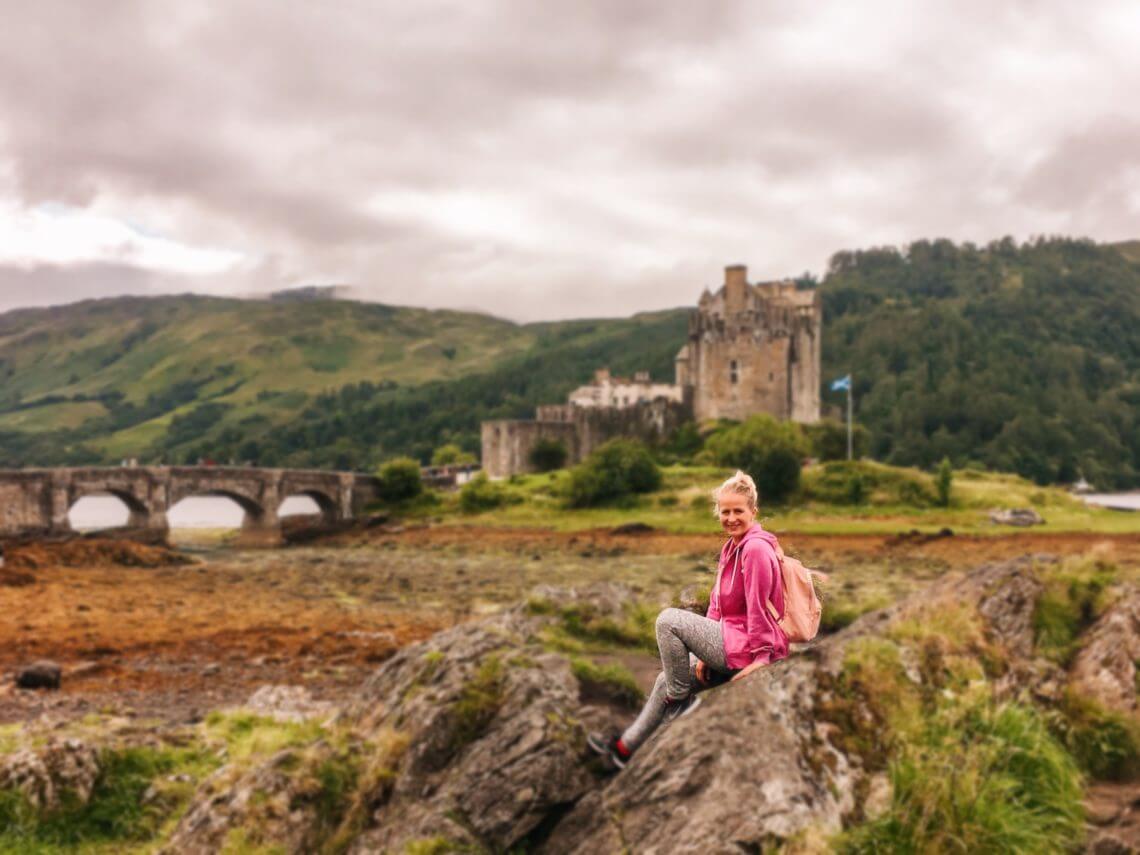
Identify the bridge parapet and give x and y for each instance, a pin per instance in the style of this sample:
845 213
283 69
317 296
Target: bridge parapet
39 500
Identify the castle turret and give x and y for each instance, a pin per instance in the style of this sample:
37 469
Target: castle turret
735 289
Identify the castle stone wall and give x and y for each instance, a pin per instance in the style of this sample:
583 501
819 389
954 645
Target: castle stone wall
507 443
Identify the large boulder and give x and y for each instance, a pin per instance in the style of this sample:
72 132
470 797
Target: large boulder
1105 667
495 735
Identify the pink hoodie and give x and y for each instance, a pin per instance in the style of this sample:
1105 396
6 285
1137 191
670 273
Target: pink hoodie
748 577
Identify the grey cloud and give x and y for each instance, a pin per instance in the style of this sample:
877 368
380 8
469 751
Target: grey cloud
647 144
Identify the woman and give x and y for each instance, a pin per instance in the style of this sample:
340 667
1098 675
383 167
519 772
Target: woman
738 636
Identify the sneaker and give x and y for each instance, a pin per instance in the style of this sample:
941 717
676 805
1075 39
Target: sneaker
607 746
675 709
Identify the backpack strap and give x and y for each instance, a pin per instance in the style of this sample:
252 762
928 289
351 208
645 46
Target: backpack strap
768 601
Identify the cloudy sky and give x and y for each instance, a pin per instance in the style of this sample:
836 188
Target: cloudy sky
541 160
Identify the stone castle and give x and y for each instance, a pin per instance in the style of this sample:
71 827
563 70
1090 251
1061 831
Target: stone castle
751 349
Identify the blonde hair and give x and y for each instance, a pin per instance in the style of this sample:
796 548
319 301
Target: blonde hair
742 484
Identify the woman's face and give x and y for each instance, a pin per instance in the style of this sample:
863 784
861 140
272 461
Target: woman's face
735 514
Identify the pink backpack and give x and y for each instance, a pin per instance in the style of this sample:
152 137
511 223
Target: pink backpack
802 608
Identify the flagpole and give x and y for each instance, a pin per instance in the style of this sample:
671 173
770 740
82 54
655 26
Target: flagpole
850 449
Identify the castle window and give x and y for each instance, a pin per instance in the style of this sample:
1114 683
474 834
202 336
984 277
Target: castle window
732 372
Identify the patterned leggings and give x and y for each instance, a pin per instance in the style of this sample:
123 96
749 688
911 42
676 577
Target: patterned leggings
682 637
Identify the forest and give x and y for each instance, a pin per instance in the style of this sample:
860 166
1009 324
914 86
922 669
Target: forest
1014 357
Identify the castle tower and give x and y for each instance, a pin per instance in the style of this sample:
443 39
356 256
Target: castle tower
753 349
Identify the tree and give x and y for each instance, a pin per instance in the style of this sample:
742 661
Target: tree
451 455
944 481
399 480
769 450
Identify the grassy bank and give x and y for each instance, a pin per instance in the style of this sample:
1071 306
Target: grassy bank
867 498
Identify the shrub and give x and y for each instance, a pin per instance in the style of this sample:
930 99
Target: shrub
614 471
399 480
451 455
943 482
856 482
548 454
482 494
767 449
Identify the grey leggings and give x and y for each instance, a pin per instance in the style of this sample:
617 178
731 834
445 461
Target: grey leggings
682 637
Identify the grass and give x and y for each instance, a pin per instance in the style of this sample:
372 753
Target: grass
9 738
978 778
1105 744
581 627
247 736
117 817
1075 594
967 774
478 704
898 499
614 683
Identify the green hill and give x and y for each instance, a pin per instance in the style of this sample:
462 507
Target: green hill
1022 358
175 378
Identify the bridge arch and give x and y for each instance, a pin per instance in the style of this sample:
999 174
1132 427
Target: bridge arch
327 507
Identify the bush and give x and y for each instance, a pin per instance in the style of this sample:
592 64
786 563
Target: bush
860 481
769 450
943 482
399 480
483 494
548 455
451 455
614 471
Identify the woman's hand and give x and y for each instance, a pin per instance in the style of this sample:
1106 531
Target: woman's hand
744 672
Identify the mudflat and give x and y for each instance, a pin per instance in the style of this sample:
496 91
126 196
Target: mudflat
147 632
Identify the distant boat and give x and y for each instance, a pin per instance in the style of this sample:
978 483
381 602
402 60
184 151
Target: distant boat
1082 486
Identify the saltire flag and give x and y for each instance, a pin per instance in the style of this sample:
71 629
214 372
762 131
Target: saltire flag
842 384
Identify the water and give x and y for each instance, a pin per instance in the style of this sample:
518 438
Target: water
95 512
1131 501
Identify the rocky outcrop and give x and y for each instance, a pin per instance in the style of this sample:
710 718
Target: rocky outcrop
475 737
43 775
495 737
1105 668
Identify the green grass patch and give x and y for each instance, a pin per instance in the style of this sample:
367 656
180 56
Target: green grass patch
478 703
581 627
614 683
117 815
871 700
247 735
1104 743
978 778
1075 595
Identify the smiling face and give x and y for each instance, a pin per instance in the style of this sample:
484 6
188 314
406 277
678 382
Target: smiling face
736 513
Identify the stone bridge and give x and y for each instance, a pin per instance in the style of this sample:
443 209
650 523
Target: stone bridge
38 500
